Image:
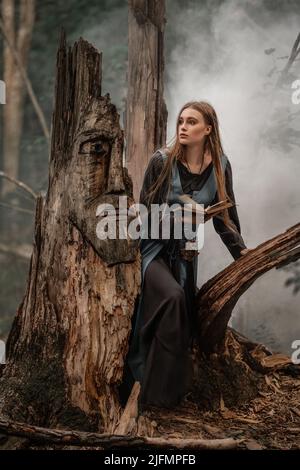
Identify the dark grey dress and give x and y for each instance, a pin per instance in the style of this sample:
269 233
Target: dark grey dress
159 354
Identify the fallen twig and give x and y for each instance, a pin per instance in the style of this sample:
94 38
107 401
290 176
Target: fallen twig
19 183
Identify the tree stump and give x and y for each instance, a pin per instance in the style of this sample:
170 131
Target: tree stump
70 335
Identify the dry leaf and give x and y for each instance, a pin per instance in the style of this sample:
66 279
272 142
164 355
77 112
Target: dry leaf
272 385
214 431
251 444
185 420
293 430
227 414
247 420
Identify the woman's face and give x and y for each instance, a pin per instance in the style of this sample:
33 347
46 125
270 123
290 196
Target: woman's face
192 124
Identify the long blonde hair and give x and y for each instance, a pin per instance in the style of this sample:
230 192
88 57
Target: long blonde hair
212 144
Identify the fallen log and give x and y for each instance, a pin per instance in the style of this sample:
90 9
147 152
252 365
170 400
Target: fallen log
108 441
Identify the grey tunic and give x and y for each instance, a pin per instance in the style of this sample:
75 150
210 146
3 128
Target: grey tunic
163 330
190 181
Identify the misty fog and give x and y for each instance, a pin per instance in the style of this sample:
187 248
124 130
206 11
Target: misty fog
226 58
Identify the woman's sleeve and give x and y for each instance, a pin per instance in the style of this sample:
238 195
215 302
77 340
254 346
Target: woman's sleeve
233 240
152 172
151 175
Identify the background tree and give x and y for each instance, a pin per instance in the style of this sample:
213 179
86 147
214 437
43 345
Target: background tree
19 38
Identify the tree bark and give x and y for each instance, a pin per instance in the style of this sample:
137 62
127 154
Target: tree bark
146 112
66 347
217 298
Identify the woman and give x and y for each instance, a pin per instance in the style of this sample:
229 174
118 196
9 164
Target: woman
163 324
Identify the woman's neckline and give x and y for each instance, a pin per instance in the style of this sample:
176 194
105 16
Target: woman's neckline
190 172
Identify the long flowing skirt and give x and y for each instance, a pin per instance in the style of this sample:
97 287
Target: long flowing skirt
165 334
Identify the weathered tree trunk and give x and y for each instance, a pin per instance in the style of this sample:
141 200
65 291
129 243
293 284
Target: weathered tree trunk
20 39
66 347
146 113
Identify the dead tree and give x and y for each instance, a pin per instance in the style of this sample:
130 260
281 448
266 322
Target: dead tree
146 112
16 46
69 337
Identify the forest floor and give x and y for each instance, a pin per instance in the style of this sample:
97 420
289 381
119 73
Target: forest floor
269 421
